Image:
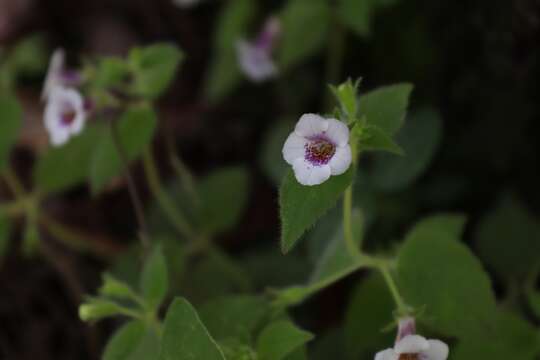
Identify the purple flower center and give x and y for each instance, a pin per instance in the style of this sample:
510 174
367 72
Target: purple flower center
319 150
409 356
67 117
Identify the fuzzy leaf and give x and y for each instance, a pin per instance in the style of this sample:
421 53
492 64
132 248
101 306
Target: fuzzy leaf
136 129
386 107
185 337
133 341
51 173
301 206
280 339
154 278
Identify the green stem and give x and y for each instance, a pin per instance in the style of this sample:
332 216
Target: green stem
14 183
352 247
402 308
171 211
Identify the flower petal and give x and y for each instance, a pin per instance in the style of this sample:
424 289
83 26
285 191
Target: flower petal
309 175
294 148
255 62
337 132
411 344
438 350
341 160
388 354
52 79
311 125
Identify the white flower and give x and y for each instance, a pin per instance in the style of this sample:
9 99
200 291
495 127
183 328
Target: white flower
255 58
64 114
413 347
53 78
318 148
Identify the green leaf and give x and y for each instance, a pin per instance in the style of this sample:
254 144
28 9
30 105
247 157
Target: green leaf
136 129
368 313
29 55
236 316
96 309
375 139
301 206
224 74
154 278
115 288
436 226
223 195
508 240
336 260
328 346
334 264
154 68
514 339
441 275
110 72
51 173
280 339
185 337
10 124
420 138
533 297
5 231
357 15
346 95
133 341
305 30
386 107
270 155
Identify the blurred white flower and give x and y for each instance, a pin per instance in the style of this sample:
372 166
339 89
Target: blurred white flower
58 75
64 114
409 346
255 57
317 149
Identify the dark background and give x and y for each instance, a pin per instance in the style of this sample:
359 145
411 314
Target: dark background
475 61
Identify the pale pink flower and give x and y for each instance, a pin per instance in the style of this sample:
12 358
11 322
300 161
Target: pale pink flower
65 114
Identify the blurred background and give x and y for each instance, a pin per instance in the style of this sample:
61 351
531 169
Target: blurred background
475 68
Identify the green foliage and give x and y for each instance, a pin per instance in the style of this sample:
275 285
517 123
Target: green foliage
368 313
50 171
533 298
223 196
154 279
271 156
136 129
5 232
373 138
224 74
346 95
28 56
305 29
358 15
112 287
154 68
236 316
386 107
10 124
280 339
420 138
111 72
441 275
508 240
185 337
437 226
96 309
133 341
301 206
